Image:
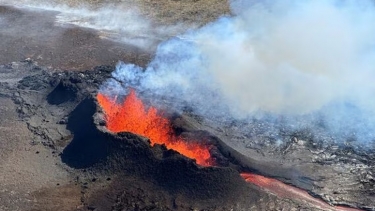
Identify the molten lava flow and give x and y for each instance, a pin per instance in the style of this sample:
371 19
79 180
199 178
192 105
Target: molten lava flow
131 116
287 191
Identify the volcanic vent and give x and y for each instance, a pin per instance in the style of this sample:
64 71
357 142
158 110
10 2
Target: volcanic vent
132 116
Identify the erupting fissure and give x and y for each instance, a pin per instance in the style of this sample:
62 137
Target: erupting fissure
132 116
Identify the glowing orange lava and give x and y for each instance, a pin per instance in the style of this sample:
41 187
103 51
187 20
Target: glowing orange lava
132 116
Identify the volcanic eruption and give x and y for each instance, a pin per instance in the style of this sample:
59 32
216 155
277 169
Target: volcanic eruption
255 68
132 116
268 107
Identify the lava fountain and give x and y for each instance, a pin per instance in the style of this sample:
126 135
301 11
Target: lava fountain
132 116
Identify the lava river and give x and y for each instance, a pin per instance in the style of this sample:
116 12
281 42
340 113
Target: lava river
132 116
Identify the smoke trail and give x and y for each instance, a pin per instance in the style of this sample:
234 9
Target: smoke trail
298 59
119 21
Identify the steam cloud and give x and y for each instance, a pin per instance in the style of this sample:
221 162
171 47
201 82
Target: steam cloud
310 60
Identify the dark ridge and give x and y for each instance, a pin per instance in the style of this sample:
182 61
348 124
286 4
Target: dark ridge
131 156
182 175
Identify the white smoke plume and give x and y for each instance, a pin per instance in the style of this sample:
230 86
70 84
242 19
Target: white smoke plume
307 59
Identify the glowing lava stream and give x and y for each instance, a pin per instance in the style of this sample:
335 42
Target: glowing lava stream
287 191
131 116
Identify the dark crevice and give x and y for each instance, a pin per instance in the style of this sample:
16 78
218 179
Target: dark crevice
88 145
63 92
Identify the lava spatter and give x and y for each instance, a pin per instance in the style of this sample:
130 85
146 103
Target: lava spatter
132 116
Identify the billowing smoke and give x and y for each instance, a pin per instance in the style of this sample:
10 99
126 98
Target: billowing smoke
309 62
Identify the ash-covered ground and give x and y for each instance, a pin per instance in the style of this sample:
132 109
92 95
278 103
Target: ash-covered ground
56 154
